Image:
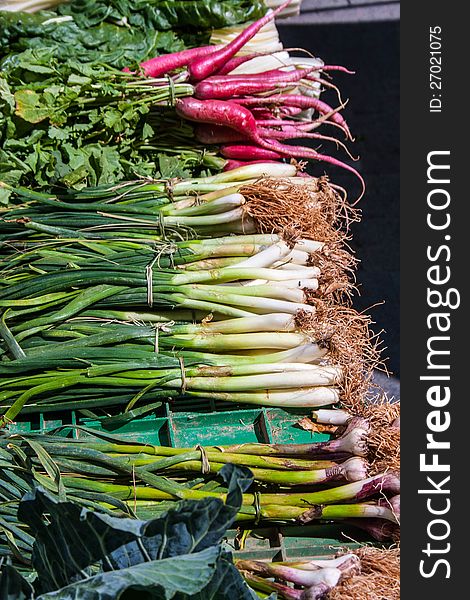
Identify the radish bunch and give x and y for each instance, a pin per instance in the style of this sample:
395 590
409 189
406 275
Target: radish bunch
251 114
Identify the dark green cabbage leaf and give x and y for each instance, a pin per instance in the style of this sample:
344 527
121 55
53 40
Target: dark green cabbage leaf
79 553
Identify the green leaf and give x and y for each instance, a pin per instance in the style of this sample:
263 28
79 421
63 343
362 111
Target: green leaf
78 80
147 131
158 579
73 538
30 106
5 94
171 166
113 119
14 586
57 133
49 465
226 583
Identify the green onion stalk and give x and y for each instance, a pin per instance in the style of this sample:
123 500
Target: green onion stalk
348 565
89 325
92 323
265 586
368 572
256 572
127 483
262 198
89 361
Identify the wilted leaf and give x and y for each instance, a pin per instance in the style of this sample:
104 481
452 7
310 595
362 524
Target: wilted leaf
29 106
309 425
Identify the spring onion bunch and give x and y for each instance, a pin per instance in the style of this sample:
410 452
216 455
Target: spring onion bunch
117 475
102 313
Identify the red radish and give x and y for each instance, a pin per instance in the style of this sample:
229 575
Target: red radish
237 61
300 125
236 164
290 111
298 101
237 117
262 113
215 134
207 90
160 65
277 123
233 63
249 152
203 67
335 68
273 76
289 133
218 112
277 112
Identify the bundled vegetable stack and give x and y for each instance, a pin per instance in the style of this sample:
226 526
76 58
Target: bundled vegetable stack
180 551
130 278
364 574
118 312
68 122
294 483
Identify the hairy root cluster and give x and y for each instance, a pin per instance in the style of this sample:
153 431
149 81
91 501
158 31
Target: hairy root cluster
311 208
379 578
313 211
351 344
384 437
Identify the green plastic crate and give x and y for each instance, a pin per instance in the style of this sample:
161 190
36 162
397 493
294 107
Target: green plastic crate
189 423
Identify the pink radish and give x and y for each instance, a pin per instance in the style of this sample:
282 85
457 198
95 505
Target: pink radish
249 152
298 101
289 133
218 112
215 134
278 123
236 164
289 111
304 126
277 112
263 113
207 90
276 74
160 65
237 61
203 67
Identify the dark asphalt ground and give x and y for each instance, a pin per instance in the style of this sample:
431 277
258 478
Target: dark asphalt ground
372 50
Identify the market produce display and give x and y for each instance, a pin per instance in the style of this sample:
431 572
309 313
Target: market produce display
163 244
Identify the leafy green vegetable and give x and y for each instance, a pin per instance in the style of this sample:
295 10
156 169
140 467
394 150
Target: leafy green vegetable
121 32
159 579
13 586
70 117
74 124
111 44
79 553
164 14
